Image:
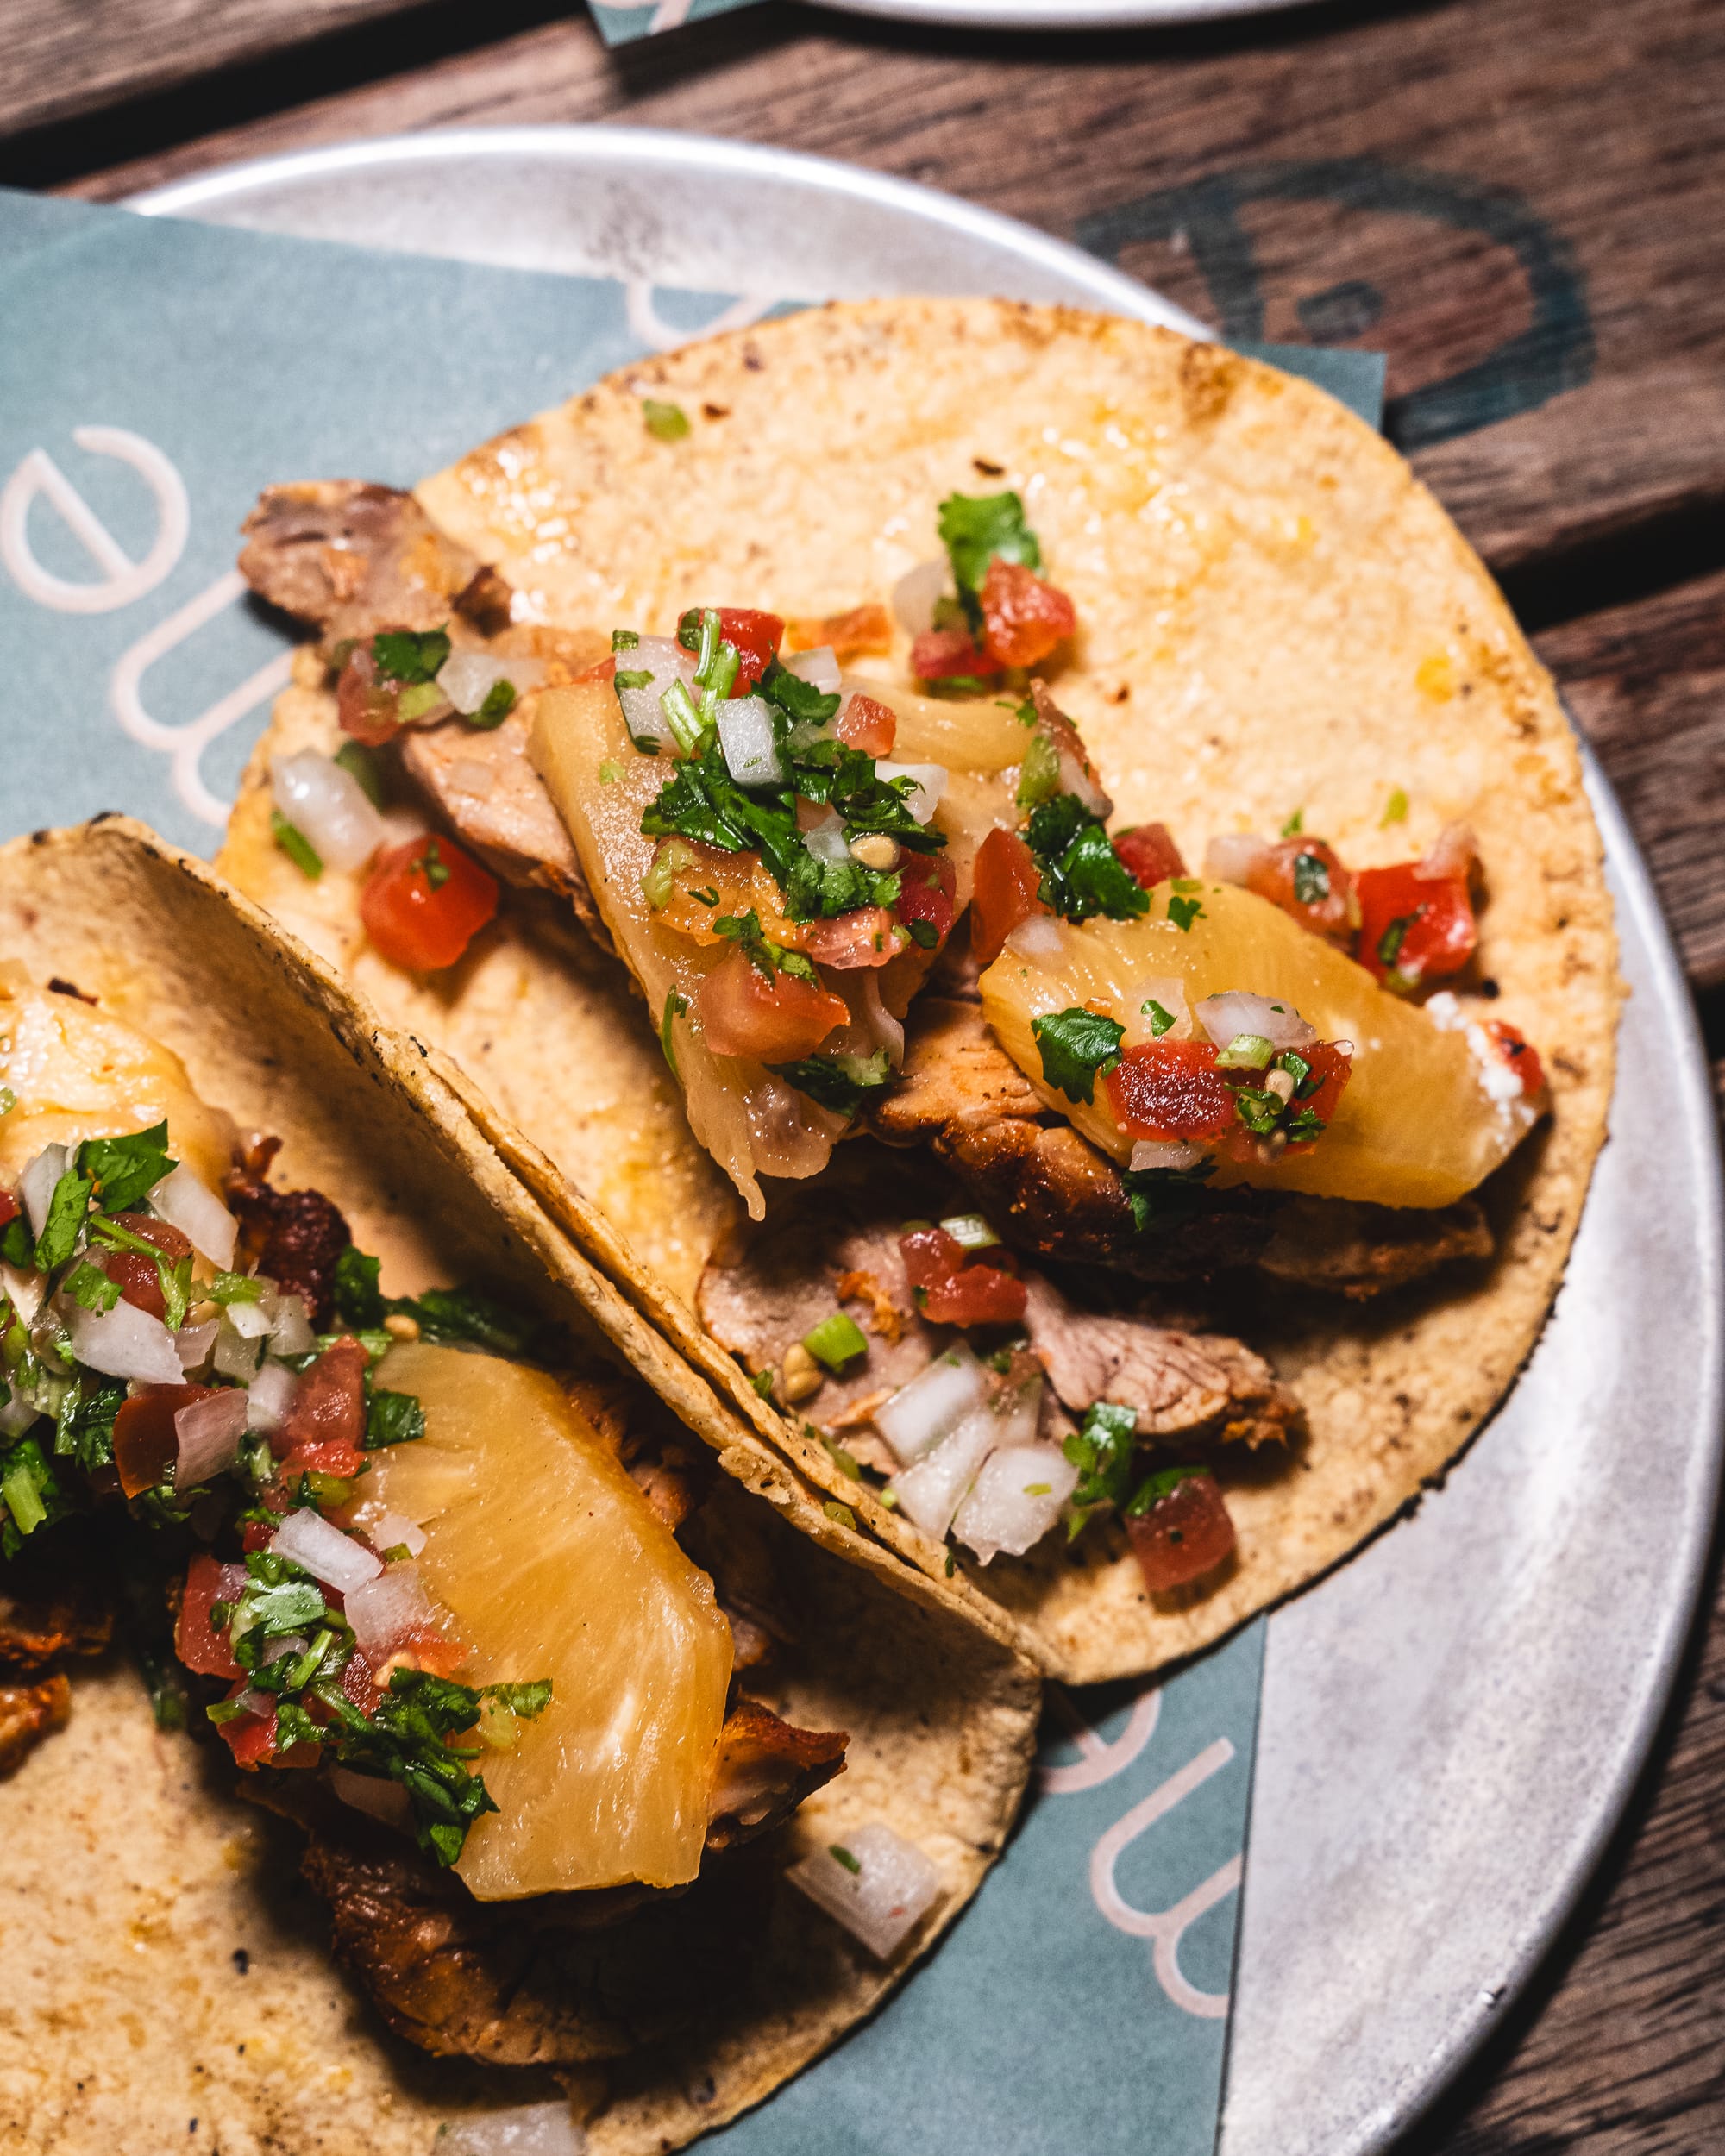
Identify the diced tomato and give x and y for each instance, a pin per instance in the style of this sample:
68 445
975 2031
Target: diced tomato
866 935
928 885
256 1536
863 629
938 654
9 1208
1424 924
359 1683
1330 1072
366 706
425 902
251 1738
866 724
1005 891
1182 1536
986 1292
1305 879
1168 1090
326 1418
930 1256
775 1021
196 1640
1513 1046
756 635
138 1277
1149 856
1023 617
145 1445
601 670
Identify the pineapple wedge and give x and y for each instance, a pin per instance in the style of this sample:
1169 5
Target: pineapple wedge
1417 1124
554 1565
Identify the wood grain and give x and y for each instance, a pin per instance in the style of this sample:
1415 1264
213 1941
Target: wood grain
1646 682
1594 139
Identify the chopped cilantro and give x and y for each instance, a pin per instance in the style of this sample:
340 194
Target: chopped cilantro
123 1170
358 1301
1259 1112
361 765
1183 911
835 1341
296 845
9 1100
419 699
1081 874
762 1382
432 865
1296 825
800 701
1395 809
665 422
411 656
924 934
1389 943
610 773
462 1314
844 1461
625 640
632 677
1102 1451
768 959
86 1434
16 1245
1160 1020
32 1497
676 1005
529 1701
231 1287
65 1223
1077 1047
1165 1197
1246 1052
1305 1127
499 703
1311 879
837 1083
1162 1484
90 1288
840 1854
392 1419
978 528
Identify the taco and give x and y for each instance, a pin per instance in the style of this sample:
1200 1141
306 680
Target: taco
616 1762
1228 1160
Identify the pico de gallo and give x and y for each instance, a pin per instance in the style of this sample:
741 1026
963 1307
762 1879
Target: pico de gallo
998 615
207 1363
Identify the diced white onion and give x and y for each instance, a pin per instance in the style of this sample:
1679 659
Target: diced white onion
930 784
16 1415
1038 936
473 778
251 1320
818 667
208 1434
386 1609
1074 778
936 1400
193 1208
1152 1153
268 1396
931 1491
237 1355
329 805
745 734
192 1343
36 1187
26 1291
919 592
394 1530
280 1650
1225 1017
664 658
290 1327
526 2129
1016 1500
883 1029
826 841
970 1231
327 1553
388 1802
1231 858
893 1887
125 1342
468 677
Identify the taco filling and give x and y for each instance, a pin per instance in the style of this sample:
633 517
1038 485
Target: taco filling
420 1562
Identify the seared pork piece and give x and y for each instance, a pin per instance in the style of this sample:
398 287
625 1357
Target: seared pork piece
484 785
48 1611
772 1285
1053 1193
766 1768
353 558
27 1712
295 1237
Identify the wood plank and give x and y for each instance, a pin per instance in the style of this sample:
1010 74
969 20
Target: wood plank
67 56
1524 219
1647 685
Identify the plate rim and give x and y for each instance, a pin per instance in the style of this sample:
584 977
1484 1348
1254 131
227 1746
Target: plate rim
626 148
1051 15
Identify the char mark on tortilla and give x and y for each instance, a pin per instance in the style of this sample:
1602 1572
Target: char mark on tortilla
1050 1190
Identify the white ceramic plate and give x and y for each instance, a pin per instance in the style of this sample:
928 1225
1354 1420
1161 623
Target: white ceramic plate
1454 1722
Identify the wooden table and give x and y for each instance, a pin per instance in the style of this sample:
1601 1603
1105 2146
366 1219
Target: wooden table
1522 201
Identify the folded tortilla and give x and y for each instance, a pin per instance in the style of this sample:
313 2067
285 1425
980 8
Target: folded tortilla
1274 614
166 1963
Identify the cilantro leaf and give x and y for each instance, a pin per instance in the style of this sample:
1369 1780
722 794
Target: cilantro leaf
30 1493
1165 1197
1162 1484
122 1170
1183 911
1077 1047
768 959
90 1288
16 1246
837 1083
462 1314
392 1419
1103 1452
1081 874
498 702
359 1303
411 657
800 700
978 528
87 1433
65 1223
